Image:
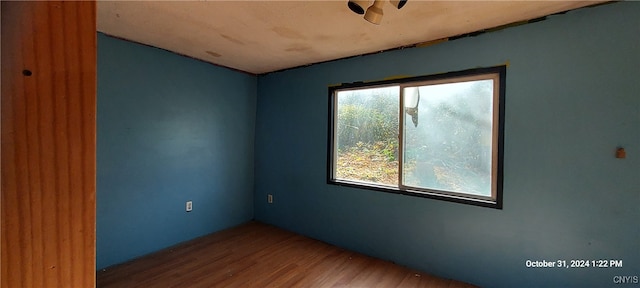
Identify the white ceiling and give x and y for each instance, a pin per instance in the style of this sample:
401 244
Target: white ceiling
265 36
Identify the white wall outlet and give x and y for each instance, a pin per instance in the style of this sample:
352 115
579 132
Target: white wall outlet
189 206
269 198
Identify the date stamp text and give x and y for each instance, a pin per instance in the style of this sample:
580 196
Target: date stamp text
574 263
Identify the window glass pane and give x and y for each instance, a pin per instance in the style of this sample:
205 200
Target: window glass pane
367 135
448 137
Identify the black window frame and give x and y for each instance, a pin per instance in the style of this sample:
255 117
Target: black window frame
432 194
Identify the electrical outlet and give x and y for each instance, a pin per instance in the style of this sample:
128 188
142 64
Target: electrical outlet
189 206
269 198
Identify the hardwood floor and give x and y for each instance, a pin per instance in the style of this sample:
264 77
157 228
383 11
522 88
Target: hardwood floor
260 255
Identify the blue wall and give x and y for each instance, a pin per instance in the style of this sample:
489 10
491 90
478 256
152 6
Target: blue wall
170 129
572 97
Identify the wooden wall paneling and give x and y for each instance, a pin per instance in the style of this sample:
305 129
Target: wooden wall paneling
48 135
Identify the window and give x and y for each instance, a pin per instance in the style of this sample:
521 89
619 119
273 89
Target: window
436 136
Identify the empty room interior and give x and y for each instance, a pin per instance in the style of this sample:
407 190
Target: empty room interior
320 144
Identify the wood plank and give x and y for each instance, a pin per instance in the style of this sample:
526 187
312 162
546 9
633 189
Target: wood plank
48 144
260 255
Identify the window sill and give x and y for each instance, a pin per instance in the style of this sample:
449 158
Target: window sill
431 194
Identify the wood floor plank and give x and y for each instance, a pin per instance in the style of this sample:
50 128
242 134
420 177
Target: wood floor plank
260 255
